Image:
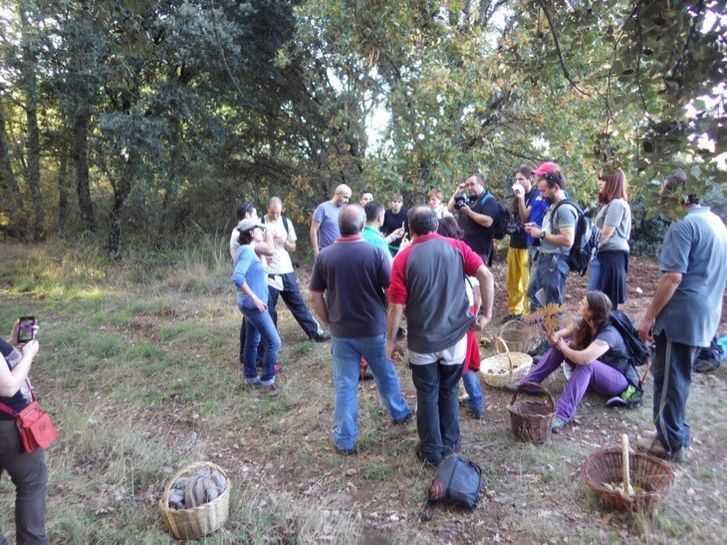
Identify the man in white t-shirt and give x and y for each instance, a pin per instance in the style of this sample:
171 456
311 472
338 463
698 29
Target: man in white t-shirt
282 280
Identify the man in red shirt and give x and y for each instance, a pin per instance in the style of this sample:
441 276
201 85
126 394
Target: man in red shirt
427 283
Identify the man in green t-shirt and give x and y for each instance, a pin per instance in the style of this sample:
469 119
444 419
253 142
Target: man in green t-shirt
375 212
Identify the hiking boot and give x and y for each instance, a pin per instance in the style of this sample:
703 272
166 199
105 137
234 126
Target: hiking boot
558 424
653 445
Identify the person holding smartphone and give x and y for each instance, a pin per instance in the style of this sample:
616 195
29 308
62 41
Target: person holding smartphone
27 470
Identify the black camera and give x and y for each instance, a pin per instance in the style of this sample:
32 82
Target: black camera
514 228
459 202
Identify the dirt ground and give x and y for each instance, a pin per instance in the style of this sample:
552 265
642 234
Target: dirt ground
531 494
166 353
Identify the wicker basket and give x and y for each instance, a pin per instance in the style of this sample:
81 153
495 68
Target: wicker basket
653 476
502 369
197 521
519 336
530 421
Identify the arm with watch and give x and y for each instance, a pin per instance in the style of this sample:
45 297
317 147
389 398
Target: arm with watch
565 237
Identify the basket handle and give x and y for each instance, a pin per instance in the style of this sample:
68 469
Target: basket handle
504 326
521 387
195 465
507 350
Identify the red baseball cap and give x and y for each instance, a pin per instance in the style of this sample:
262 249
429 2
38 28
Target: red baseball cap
546 168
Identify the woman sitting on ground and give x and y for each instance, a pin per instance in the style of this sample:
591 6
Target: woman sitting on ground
27 470
251 281
596 354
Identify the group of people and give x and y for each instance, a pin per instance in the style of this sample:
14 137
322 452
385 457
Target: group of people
439 281
374 266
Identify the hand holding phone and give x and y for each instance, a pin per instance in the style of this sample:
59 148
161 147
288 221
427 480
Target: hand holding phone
26 329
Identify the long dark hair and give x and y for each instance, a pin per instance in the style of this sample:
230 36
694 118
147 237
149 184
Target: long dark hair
448 228
599 306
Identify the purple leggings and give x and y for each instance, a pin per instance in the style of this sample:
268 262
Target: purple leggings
603 378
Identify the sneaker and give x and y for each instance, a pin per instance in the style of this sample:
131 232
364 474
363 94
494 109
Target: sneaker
404 419
653 445
345 451
705 366
321 337
511 317
558 424
473 413
272 389
616 401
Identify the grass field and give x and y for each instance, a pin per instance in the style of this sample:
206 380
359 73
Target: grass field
138 366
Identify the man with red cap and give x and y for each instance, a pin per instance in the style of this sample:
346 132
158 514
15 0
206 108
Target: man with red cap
556 236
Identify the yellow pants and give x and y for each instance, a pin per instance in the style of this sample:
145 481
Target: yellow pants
517 280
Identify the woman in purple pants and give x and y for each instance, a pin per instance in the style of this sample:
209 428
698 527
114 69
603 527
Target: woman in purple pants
597 356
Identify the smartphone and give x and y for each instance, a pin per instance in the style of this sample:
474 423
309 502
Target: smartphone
25 329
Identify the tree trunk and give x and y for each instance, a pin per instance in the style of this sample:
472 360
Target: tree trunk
31 112
80 161
121 193
11 202
63 203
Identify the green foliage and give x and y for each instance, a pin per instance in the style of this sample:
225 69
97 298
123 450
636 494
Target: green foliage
174 110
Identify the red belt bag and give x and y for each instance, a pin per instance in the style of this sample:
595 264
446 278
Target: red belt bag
34 426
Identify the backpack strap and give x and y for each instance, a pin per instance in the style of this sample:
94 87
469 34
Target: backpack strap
7 410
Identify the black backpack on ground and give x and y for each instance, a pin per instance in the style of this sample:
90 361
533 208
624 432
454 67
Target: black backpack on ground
709 358
638 351
585 243
501 220
458 481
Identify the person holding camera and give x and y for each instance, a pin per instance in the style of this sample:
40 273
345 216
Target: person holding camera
476 208
27 470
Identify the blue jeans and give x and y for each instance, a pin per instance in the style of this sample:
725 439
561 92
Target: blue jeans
476 401
549 274
437 409
671 424
259 327
347 352
594 275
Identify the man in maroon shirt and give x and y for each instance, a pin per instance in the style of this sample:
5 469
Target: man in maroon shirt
427 283
353 274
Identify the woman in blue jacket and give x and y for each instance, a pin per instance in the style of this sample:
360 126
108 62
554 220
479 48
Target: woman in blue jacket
251 280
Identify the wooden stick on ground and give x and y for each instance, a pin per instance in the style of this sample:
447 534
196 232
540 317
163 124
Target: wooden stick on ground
627 490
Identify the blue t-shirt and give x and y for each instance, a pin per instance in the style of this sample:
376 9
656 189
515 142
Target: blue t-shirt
539 206
696 247
326 214
248 268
